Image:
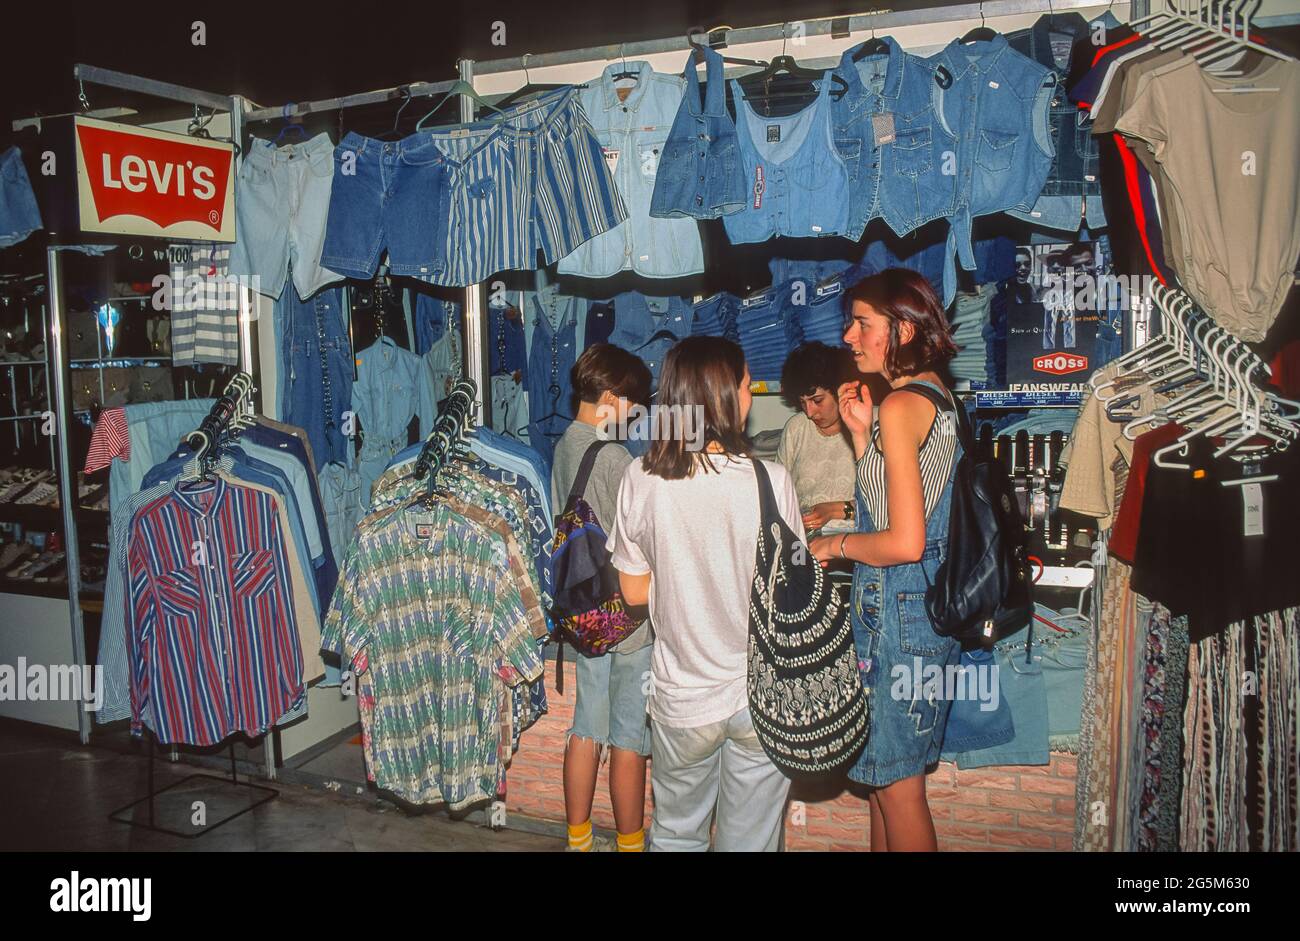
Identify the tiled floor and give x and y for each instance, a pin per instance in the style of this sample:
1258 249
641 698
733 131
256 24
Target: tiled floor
56 796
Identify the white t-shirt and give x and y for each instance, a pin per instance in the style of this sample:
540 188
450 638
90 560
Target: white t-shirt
697 538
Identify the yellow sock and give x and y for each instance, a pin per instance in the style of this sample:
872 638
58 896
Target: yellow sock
581 837
632 842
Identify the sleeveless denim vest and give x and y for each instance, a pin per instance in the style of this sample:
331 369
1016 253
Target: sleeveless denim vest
892 98
699 172
1072 194
997 105
796 181
892 630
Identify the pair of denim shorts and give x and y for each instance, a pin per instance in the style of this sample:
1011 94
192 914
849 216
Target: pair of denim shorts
611 700
532 180
387 195
19 216
282 199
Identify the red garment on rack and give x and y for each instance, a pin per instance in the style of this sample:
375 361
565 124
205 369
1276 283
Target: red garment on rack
108 440
1124 532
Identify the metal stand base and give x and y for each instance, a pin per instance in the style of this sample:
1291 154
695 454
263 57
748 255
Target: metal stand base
124 815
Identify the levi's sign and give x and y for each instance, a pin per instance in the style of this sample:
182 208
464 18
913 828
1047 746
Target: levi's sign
136 181
1060 364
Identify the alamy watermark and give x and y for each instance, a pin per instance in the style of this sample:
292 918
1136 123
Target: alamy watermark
656 423
977 682
35 682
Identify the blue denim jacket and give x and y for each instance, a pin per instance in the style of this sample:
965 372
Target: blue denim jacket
1072 193
893 96
649 326
997 105
633 133
699 171
797 181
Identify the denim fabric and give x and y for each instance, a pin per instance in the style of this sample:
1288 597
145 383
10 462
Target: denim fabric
600 323
633 133
1043 687
971 724
392 387
344 502
19 215
893 96
315 355
388 195
282 201
1073 187
610 707
431 317
766 333
821 317
995 258
153 428
649 326
998 104
717 316
969 317
922 252
813 271
507 341
552 354
892 629
699 172
798 183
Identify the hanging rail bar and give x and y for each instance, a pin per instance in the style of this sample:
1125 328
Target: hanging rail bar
148 86
293 109
824 26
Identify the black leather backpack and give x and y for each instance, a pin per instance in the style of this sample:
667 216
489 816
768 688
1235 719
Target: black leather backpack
983 589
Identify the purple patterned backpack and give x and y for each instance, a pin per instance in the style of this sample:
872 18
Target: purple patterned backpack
589 611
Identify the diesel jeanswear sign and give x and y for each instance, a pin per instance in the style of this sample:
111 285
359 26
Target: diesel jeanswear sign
136 181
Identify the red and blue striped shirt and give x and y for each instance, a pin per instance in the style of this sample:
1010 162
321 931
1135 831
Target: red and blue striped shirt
210 621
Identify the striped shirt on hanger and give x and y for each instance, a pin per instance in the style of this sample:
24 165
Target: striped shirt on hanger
205 306
213 647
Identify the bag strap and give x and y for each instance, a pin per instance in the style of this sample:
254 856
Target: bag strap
767 511
584 472
942 402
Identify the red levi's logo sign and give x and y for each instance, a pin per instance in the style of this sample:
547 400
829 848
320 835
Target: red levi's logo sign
137 181
1060 364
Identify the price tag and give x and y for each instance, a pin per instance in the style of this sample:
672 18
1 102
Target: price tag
1252 498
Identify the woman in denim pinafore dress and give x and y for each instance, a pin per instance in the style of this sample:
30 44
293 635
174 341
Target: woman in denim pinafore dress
906 459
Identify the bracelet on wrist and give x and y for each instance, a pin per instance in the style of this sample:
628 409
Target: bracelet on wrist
842 540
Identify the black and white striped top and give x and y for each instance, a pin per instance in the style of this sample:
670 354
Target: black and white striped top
936 457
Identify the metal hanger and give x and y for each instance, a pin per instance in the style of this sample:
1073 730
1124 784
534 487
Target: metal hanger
465 90
392 133
980 33
527 89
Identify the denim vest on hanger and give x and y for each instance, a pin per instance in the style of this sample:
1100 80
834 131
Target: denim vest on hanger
797 184
699 172
892 98
997 106
1072 193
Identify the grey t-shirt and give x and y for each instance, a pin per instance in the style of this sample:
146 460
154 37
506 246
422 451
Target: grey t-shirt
601 494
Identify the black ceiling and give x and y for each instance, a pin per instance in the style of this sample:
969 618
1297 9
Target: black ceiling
274 52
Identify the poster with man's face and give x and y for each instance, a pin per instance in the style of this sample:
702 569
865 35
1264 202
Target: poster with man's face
1064 316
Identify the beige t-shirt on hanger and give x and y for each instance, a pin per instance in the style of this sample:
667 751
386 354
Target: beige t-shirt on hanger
1230 159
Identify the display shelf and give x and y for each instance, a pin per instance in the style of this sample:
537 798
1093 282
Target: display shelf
48 517
52 589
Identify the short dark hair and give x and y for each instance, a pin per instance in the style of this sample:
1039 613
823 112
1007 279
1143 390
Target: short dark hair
815 366
901 294
603 367
704 372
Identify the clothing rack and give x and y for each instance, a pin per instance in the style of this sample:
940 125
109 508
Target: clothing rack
446 440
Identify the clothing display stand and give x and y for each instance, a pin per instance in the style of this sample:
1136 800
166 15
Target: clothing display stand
234 402
124 815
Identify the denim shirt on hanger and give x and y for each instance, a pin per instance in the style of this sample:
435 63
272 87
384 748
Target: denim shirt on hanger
699 172
649 326
552 352
392 387
886 131
633 132
997 105
1072 194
